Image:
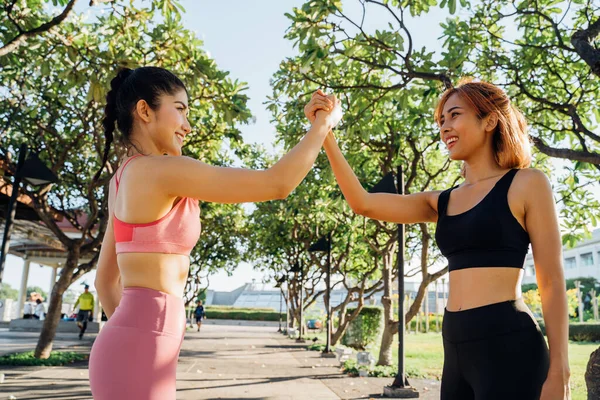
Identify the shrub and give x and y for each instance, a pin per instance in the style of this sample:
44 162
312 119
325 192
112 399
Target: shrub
365 329
56 358
244 314
380 371
580 332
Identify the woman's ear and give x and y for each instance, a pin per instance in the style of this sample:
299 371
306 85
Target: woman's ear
144 111
491 122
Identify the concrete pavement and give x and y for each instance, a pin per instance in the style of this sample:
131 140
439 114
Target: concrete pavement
220 362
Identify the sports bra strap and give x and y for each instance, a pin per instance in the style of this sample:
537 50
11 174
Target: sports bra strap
504 183
119 176
443 202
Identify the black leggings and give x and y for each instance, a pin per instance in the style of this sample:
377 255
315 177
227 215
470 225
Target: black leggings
493 352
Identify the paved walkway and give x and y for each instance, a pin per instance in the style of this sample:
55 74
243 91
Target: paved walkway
221 362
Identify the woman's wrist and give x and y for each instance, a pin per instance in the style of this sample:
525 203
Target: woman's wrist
559 370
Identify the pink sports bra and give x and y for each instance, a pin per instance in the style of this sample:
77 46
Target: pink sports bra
175 233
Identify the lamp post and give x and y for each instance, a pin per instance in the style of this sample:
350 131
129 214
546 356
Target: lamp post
324 244
400 387
297 267
35 173
280 282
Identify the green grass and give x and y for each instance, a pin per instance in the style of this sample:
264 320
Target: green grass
579 355
424 357
57 358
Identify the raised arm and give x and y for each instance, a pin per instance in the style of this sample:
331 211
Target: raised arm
401 209
187 177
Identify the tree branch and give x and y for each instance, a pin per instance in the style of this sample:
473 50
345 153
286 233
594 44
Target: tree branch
20 39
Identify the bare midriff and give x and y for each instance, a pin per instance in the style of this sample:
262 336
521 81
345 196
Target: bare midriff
476 287
163 272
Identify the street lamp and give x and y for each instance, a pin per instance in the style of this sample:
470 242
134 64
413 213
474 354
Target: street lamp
324 244
35 173
400 387
280 282
297 267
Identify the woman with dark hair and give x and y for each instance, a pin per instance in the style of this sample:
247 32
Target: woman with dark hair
493 346
155 222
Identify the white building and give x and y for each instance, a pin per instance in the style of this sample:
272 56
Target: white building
581 261
252 295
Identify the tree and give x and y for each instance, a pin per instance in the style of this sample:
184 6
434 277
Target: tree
384 68
22 20
545 54
53 100
7 292
219 248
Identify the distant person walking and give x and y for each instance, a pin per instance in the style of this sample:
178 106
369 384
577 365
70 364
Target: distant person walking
86 310
200 314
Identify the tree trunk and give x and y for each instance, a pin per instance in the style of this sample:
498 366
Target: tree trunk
390 327
44 345
345 320
592 376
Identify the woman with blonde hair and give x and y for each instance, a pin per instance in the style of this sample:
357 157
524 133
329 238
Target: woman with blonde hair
155 223
493 346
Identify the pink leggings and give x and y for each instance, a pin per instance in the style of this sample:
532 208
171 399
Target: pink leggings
135 355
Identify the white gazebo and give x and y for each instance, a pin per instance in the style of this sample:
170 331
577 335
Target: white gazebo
33 242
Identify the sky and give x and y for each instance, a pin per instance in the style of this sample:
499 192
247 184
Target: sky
246 38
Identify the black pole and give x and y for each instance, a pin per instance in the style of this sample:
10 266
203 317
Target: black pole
11 210
400 381
301 324
280 307
287 309
328 291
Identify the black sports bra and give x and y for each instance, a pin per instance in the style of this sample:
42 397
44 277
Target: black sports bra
487 235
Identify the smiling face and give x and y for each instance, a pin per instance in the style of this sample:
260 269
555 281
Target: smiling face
168 125
461 130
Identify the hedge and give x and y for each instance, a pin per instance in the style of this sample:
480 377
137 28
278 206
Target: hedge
243 314
365 329
580 332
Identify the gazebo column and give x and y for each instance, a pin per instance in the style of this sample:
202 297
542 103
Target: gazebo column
23 288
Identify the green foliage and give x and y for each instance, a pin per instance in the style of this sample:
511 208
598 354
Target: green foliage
580 332
53 100
364 330
7 292
244 314
318 347
219 248
57 358
528 48
572 302
586 284
412 324
528 286
533 300
351 367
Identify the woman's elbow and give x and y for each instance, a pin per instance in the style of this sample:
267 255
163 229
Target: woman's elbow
359 206
103 286
282 191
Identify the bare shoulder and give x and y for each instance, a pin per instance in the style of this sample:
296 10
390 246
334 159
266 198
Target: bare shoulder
532 186
532 180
